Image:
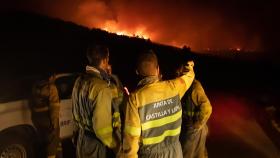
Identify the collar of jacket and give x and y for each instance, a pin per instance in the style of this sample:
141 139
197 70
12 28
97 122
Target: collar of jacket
99 73
93 70
147 80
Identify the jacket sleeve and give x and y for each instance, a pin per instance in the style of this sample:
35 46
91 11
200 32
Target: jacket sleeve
183 83
102 118
132 128
200 99
54 105
75 110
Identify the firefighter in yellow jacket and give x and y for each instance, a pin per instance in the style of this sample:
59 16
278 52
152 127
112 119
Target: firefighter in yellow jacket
92 107
153 112
196 112
118 101
45 106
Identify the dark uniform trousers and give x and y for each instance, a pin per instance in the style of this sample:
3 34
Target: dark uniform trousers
48 136
193 142
89 146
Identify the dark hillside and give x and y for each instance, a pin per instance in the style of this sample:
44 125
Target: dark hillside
32 44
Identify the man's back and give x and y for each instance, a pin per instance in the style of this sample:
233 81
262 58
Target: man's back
92 113
45 114
160 112
196 111
153 116
85 93
92 106
153 112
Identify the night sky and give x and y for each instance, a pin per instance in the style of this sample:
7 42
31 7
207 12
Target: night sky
237 24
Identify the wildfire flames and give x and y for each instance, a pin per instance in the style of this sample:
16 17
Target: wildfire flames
179 24
138 32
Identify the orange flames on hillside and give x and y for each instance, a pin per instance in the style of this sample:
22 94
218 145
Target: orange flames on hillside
176 24
139 32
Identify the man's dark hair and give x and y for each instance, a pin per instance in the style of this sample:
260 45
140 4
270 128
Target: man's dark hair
147 63
96 53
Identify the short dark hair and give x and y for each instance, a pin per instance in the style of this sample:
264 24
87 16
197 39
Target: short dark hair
147 63
96 53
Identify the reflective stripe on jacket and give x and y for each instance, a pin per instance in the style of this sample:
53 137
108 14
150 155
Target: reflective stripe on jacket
153 113
117 101
92 108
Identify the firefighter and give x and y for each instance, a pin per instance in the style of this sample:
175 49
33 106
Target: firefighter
196 111
153 112
119 96
92 107
45 108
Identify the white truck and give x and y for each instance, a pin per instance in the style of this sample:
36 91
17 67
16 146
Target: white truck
18 136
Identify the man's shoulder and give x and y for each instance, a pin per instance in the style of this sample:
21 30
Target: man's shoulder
197 88
99 83
196 83
92 80
93 77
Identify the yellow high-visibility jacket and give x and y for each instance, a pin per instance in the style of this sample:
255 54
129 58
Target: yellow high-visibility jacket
153 113
118 100
117 105
46 98
92 106
196 106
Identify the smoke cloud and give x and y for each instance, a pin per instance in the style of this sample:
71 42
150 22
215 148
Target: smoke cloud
208 25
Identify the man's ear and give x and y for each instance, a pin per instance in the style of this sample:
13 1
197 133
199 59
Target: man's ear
136 71
103 64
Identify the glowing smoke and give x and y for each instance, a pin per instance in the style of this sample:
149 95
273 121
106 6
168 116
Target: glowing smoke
177 23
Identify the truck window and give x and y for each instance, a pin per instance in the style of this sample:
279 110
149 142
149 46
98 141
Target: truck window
65 85
15 89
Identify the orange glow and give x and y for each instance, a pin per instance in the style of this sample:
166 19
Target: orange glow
112 26
130 19
177 24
